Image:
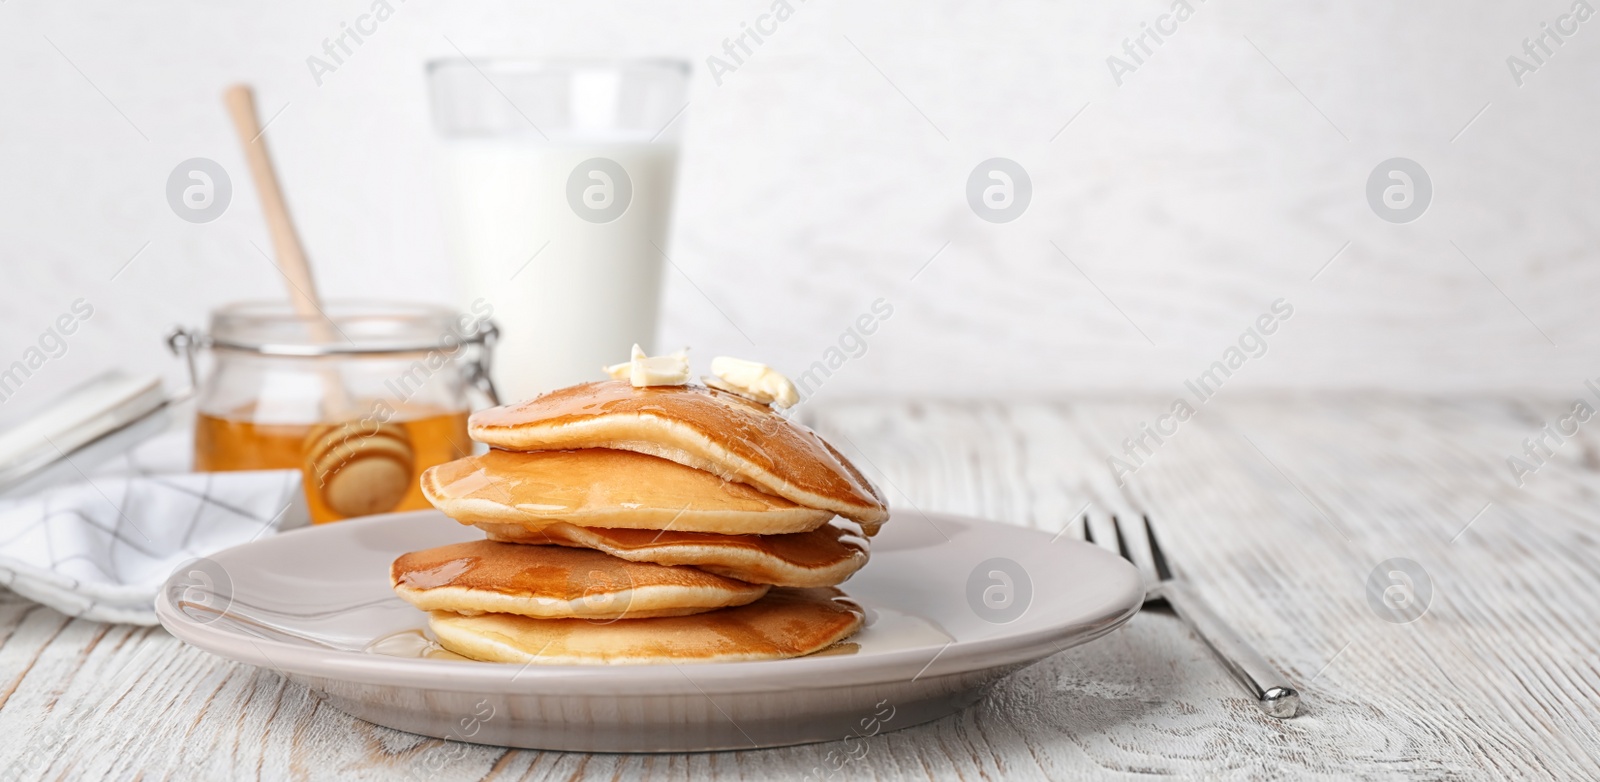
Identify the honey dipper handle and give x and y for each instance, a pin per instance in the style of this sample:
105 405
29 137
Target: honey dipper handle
291 260
291 255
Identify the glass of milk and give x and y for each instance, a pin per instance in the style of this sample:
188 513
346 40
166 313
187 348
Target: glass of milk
558 179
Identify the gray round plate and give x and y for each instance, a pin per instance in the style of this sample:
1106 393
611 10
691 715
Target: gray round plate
953 604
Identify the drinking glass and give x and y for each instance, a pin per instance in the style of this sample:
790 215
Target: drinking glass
558 178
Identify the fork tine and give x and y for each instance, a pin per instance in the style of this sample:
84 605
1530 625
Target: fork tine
1122 545
1163 570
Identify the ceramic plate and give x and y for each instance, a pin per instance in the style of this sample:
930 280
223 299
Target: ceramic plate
952 605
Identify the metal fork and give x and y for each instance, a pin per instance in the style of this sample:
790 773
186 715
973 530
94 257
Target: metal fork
1270 688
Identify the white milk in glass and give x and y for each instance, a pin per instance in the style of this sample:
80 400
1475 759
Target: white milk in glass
569 294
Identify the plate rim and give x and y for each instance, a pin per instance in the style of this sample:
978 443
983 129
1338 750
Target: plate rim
955 658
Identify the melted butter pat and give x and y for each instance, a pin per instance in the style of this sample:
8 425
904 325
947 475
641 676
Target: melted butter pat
643 371
754 380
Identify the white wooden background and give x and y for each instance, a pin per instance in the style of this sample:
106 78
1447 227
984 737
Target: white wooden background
1277 507
1220 176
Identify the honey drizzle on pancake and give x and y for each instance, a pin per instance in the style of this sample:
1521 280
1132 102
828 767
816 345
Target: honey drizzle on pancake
541 571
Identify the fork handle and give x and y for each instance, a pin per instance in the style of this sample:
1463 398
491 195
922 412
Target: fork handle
1270 688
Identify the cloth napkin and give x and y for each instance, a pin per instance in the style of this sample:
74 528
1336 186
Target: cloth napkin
101 548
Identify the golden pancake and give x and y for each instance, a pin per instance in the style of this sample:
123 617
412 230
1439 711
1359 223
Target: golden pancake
596 487
716 431
822 557
557 582
785 623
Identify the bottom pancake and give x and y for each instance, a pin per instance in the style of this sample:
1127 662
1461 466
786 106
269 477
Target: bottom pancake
822 557
785 623
485 576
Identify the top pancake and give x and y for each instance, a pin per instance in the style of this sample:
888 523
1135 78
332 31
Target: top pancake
599 487
716 431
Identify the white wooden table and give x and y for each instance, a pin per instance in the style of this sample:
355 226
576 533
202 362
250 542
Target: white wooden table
1278 508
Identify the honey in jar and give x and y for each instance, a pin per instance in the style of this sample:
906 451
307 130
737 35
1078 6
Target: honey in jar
350 469
361 419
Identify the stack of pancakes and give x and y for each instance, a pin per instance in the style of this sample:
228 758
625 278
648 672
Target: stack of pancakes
643 524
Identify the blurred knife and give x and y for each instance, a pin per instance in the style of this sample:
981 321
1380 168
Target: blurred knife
105 416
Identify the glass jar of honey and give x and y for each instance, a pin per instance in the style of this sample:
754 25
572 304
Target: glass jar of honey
360 398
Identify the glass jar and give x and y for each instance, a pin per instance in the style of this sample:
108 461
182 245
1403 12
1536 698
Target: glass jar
360 399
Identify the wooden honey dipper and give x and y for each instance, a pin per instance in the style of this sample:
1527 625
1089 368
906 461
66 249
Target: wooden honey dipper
357 465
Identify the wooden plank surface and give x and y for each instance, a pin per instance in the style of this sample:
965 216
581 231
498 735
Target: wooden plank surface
1278 508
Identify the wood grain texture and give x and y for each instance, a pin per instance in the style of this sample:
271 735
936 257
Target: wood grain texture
1277 508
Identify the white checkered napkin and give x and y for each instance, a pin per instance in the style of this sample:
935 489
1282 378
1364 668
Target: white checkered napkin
101 548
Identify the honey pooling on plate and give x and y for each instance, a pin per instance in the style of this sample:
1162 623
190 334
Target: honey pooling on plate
349 468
